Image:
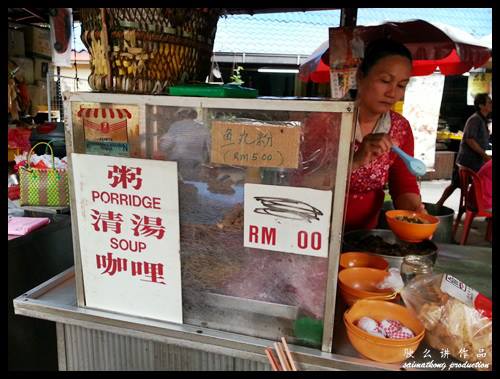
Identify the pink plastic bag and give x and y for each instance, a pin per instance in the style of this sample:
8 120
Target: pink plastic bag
20 226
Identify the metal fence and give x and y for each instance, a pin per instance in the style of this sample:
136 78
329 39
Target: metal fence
56 85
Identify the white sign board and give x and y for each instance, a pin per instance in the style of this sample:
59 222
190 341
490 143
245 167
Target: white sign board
421 107
287 219
478 82
128 225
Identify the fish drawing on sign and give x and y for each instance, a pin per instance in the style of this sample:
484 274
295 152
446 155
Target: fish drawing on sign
287 208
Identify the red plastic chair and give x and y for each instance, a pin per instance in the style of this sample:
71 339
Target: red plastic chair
474 207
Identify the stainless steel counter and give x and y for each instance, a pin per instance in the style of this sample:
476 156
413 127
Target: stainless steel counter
90 339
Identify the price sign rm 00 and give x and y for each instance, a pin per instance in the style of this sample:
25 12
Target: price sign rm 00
287 219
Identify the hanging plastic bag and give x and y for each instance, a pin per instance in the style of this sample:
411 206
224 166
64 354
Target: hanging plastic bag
61 32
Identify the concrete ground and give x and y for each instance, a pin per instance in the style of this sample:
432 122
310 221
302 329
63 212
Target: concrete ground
431 191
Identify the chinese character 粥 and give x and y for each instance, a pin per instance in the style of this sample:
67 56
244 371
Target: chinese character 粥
445 353
125 175
427 353
111 265
408 353
107 220
149 226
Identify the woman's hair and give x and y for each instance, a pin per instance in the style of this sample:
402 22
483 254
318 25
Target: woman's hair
381 48
480 99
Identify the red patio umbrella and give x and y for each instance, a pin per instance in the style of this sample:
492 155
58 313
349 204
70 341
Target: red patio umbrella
433 45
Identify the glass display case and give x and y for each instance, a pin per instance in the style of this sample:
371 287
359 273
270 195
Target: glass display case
220 145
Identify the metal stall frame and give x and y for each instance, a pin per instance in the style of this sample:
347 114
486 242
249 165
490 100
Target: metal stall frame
97 330
346 109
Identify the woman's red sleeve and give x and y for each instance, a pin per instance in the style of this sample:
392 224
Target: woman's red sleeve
400 179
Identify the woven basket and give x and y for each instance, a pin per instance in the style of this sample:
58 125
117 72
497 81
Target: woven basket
145 50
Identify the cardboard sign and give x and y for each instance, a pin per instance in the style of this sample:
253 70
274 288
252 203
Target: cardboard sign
288 219
128 227
255 144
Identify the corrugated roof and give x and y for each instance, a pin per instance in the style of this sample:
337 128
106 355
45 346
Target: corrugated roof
301 33
274 33
476 21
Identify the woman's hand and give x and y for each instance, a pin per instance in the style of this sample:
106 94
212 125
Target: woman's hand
421 209
410 202
372 146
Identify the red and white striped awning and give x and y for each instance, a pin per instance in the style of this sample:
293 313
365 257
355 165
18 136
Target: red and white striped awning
103 112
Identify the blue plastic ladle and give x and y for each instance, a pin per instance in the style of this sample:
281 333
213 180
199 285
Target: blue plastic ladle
414 165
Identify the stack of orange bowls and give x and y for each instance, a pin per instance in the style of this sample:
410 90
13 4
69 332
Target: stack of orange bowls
362 259
361 282
381 349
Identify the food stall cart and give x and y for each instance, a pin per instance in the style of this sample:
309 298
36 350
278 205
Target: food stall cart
96 340
239 294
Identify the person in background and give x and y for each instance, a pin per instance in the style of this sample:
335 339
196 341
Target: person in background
187 141
381 81
475 142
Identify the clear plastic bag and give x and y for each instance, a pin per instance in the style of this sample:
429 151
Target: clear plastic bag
457 318
61 33
392 281
14 210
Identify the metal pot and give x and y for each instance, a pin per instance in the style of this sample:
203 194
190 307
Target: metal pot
444 231
352 239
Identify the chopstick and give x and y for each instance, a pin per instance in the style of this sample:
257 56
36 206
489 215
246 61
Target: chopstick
285 361
274 364
288 354
282 357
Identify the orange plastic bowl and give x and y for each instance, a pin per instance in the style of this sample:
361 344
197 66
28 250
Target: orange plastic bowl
408 231
361 259
361 282
380 349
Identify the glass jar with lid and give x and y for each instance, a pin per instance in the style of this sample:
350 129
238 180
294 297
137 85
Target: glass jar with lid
414 265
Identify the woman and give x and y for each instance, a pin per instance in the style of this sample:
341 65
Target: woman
381 81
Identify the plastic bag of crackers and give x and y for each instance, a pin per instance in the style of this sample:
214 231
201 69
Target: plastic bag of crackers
456 317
